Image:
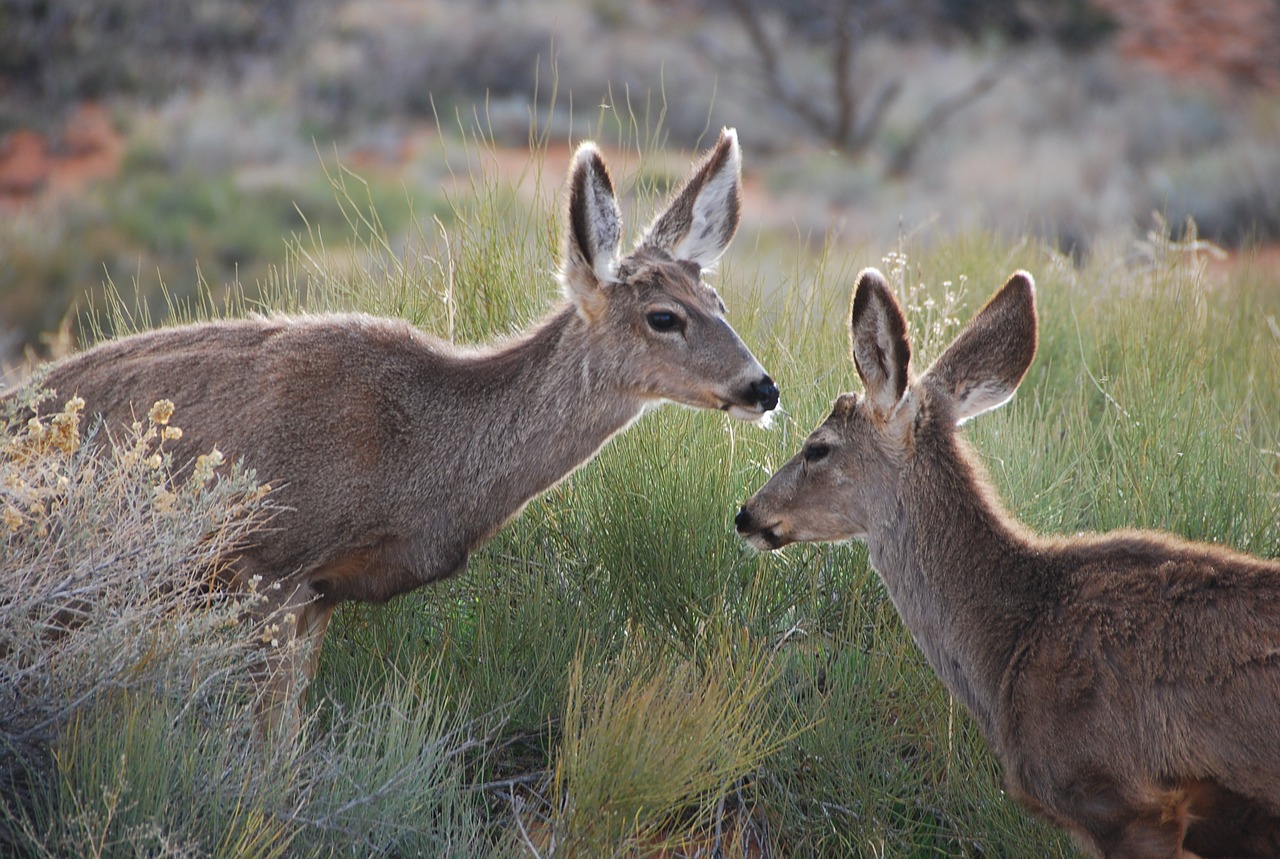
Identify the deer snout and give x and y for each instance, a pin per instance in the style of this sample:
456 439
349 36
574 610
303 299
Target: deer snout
762 537
753 402
764 393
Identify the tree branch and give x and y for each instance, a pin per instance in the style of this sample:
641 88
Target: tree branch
775 78
904 159
841 76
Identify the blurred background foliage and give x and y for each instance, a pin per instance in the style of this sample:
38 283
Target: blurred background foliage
171 148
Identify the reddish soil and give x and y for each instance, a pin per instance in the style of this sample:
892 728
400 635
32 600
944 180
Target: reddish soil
35 167
1225 43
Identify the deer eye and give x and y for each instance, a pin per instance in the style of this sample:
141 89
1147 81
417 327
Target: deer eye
664 320
816 452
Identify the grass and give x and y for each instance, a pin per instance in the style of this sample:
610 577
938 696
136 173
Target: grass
615 674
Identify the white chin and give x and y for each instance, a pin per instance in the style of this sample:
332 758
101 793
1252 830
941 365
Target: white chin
758 542
764 419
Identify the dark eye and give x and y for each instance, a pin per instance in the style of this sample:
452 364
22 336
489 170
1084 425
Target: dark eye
815 452
664 320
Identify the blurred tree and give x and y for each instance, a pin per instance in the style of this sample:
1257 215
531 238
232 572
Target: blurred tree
1072 24
848 108
56 53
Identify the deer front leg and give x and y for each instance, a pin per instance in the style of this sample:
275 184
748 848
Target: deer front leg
292 635
1148 827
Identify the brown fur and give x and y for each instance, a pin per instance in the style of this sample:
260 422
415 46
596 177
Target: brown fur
398 454
1128 682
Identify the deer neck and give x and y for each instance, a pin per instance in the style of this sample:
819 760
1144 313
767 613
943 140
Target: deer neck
955 565
551 401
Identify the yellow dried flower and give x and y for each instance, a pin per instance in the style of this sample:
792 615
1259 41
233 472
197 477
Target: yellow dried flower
161 411
172 433
155 460
205 465
12 518
164 499
66 435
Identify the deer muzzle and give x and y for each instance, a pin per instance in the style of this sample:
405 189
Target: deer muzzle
755 401
763 537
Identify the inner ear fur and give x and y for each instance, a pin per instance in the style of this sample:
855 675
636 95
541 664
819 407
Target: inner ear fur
593 230
878 341
987 360
703 216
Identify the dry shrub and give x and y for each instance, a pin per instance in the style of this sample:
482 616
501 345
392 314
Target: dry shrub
107 554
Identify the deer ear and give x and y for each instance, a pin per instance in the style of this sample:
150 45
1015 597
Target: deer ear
984 364
878 340
594 231
703 216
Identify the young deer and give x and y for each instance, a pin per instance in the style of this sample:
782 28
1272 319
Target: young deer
396 454
1128 682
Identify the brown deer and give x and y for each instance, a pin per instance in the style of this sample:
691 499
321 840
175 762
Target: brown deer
1129 683
396 454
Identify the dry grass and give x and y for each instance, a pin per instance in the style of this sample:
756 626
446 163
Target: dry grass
651 744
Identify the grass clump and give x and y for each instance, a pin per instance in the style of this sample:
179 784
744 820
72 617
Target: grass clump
126 701
653 748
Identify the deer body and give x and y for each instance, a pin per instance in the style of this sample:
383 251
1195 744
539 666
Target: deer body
404 489
1129 682
395 454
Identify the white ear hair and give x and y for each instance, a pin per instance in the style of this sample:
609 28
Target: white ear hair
704 214
593 232
878 341
985 363
719 199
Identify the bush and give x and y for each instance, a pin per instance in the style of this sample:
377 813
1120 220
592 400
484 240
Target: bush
106 560
55 53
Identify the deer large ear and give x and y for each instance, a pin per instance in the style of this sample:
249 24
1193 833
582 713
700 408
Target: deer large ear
984 364
703 216
593 234
878 341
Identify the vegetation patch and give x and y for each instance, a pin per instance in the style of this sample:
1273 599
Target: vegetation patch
615 673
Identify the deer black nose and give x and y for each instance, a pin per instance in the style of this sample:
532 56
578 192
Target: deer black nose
765 392
743 520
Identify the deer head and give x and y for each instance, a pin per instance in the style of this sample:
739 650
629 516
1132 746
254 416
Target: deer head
845 481
649 312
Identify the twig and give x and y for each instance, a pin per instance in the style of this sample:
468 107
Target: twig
524 833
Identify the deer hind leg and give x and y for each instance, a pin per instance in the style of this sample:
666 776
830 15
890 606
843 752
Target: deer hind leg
1148 835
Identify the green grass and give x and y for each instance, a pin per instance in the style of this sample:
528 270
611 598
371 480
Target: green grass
182 235
615 671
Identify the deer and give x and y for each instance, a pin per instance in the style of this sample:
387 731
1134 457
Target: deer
1127 682
394 454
